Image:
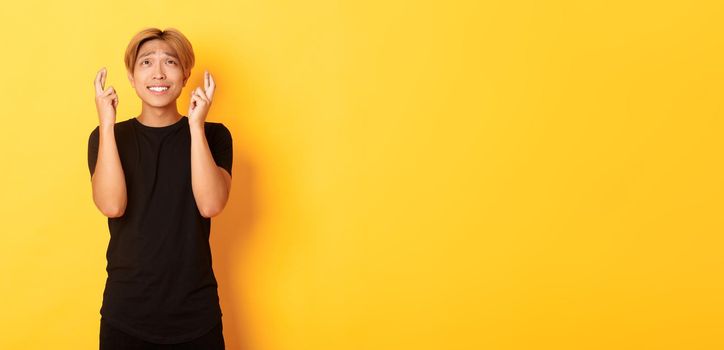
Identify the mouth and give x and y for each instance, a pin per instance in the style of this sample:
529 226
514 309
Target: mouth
158 89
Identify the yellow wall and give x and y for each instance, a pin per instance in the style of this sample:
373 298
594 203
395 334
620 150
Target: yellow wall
408 175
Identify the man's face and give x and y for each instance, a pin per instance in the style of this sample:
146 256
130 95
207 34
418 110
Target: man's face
157 67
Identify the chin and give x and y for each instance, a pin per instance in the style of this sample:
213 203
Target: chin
162 101
156 104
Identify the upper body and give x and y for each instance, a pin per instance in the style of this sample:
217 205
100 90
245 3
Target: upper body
159 178
161 286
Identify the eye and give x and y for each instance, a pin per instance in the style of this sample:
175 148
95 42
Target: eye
172 61
144 61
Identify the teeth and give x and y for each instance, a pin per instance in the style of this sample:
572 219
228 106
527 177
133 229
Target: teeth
158 88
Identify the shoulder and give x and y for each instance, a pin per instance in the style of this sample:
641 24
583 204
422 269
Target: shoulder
94 132
213 126
216 129
122 125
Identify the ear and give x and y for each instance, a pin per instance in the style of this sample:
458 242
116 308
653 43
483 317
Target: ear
130 79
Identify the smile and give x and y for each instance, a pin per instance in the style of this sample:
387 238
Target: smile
158 90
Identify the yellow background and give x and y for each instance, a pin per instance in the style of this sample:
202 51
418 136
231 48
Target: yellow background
407 175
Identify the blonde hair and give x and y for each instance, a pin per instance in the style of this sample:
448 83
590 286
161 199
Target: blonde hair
172 36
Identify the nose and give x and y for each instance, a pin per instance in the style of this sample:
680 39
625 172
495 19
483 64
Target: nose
158 73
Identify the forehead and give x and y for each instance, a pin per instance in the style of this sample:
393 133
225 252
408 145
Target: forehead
157 47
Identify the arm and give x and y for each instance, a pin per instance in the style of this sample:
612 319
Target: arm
210 183
107 178
109 182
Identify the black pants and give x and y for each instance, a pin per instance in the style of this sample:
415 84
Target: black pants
115 339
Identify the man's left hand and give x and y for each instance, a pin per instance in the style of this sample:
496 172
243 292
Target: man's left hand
201 101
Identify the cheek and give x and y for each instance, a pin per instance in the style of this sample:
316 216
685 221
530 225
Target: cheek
178 76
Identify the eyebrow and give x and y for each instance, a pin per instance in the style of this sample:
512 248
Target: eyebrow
151 52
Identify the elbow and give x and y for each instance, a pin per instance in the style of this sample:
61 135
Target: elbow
212 207
111 203
113 212
210 212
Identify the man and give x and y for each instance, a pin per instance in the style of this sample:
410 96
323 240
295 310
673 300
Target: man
159 178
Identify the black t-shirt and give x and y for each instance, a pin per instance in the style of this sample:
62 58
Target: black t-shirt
161 286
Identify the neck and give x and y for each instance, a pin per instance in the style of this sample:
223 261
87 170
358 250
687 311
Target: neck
159 116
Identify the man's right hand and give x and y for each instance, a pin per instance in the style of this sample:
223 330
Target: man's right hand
106 100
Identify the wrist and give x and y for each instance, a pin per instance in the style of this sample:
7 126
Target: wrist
106 126
196 128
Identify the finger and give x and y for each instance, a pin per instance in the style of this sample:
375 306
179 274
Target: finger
112 99
202 94
109 91
212 87
103 77
97 82
194 100
206 80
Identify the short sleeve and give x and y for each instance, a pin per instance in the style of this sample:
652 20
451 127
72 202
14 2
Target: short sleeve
93 150
222 148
